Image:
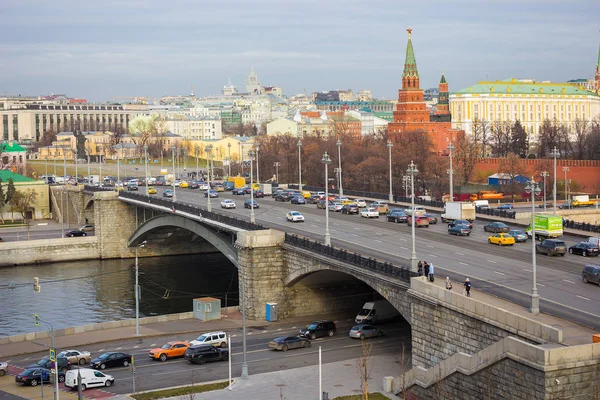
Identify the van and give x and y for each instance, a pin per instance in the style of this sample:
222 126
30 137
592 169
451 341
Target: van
217 339
591 273
376 311
482 204
89 378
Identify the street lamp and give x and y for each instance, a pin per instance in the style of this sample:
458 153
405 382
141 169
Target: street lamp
405 180
65 165
229 164
251 154
533 188
146 169
137 290
554 153
326 160
241 159
544 174
76 171
197 158
276 165
339 146
565 170
257 174
389 146
450 148
174 174
208 150
412 171
300 165
119 167
53 350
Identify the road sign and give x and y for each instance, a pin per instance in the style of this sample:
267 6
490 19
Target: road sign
52 355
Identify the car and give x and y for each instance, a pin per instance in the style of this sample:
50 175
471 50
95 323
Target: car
585 249
350 208
518 234
220 188
284 343
213 193
461 222
184 185
63 364
282 196
321 204
152 190
496 227
168 193
294 216
363 331
547 205
419 210
298 200
420 220
306 194
433 219
247 189
505 207
369 213
551 247
259 194
216 339
314 199
459 230
381 206
76 357
565 205
87 228
361 203
75 233
3 368
591 273
89 378
250 204
238 191
335 206
177 183
201 354
111 359
396 215
172 349
344 200
193 185
501 239
132 188
202 185
35 376
227 203
318 329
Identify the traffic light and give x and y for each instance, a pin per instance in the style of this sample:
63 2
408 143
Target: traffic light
36 284
36 319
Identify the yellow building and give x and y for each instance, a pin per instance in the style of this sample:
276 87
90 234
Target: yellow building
40 207
225 149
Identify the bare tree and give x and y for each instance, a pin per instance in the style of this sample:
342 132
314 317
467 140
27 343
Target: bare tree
500 138
21 202
402 362
511 166
364 368
466 157
481 135
580 139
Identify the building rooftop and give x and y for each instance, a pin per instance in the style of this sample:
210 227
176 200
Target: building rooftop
515 86
11 147
6 175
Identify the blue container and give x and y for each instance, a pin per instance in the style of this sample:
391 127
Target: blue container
271 312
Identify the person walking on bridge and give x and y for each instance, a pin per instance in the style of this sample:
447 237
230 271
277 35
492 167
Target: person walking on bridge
431 272
468 287
426 269
448 283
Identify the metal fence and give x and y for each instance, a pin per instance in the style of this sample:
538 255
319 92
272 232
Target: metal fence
404 273
496 213
582 226
89 188
194 210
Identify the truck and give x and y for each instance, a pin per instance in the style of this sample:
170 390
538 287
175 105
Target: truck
486 195
238 181
376 311
546 227
454 210
266 188
582 201
482 204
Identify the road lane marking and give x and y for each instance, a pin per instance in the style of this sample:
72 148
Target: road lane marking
105 349
463 263
278 329
354 234
430 246
581 297
265 331
404 240
491 261
460 254
568 281
499 273
432 255
249 333
136 346
375 240
404 248
526 270
539 284
153 345
294 327
119 348
26 359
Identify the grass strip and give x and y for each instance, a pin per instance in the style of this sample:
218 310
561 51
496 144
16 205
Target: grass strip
181 391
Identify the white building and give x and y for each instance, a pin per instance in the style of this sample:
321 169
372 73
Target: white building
282 126
196 128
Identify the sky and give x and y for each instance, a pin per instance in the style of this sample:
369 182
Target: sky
111 50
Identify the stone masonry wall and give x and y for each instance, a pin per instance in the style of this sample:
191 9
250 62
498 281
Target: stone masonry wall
114 221
578 382
48 250
322 299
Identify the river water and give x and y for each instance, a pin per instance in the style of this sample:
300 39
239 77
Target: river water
86 292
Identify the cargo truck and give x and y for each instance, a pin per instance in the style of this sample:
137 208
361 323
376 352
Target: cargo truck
376 311
238 181
456 210
486 195
266 188
546 227
582 201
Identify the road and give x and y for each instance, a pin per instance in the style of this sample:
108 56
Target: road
155 374
20 234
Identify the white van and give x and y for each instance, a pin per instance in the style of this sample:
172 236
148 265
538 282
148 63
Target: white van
376 311
482 204
89 378
217 339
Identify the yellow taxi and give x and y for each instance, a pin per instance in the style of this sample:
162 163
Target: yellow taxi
306 194
184 185
501 239
151 190
346 200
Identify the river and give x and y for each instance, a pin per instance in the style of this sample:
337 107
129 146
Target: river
86 292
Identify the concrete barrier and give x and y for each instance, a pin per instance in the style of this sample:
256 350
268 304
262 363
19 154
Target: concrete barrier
48 250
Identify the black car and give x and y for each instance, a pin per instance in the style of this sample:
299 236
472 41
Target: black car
459 230
591 274
551 247
319 329
282 196
111 359
496 227
350 209
203 353
35 376
75 233
314 199
193 185
249 204
285 343
132 188
298 200
461 222
63 364
397 216
238 191
259 194
585 249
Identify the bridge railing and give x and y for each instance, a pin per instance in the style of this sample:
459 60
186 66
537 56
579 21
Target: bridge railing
194 210
496 213
90 188
404 273
582 226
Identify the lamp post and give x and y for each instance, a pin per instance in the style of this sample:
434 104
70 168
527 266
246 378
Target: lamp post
174 175
146 169
89 173
533 188
76 172
65 165
197 149
119 167
412 171
100 179
241 159
300 165
251 154
565 170
326 160
389 146
450 148
544 174
257 174
137 290
339 146
554 153
405 180
208 150
229 163
37 322
276 165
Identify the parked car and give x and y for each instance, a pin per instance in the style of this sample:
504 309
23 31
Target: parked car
285 343
551 247
89 378
461 222
169 350
420 220
361 203
35 376
319 329
75 233
585 249
168 193
501 239
335 206
63 364
294 216
459 230
3 368
505 207
370 212
87 228
227 203
111 359
396 215
298 200
496 227
76 357
213 193
217 339
351 208
200 354
238 191
518 234
251 204
433 219
591 273
363 331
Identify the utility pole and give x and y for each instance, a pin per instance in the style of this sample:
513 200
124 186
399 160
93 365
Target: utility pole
37 321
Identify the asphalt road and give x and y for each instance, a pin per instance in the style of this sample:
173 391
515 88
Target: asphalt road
155 374
20 234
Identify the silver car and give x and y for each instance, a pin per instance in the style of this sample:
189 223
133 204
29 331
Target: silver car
3 368
364 331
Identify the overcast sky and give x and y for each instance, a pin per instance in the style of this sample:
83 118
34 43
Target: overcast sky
104 49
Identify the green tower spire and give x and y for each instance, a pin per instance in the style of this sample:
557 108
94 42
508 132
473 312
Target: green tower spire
443 79
410 64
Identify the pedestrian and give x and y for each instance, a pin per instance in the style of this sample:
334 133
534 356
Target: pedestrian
426 266
468 287
448 283
431 272
420 265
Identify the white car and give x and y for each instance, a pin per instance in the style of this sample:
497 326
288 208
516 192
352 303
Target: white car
204 186
335 206
177 183
89 378
227 203
361 203
419 210
3 368
370 213
294 216
217 339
